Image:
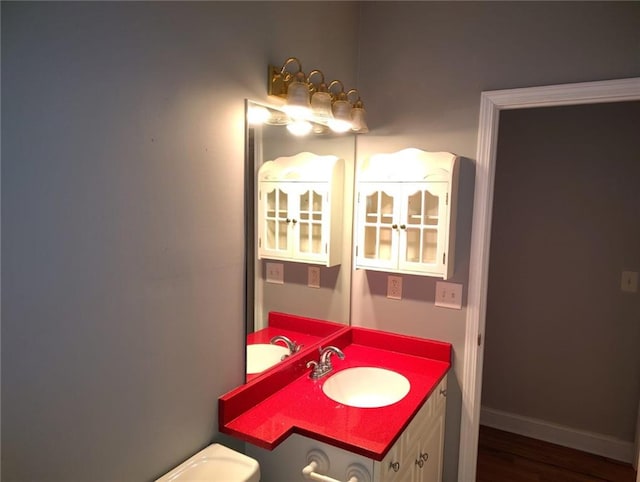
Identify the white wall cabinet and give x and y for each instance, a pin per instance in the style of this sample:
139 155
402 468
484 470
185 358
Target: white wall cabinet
406 210
300 209
417 455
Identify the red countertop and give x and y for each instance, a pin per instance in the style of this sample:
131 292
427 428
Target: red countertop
268 409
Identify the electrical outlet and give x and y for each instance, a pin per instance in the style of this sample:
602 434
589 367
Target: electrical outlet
275 273
394 287
629 281
449 295
313 277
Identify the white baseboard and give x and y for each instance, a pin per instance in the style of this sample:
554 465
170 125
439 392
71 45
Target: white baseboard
594 443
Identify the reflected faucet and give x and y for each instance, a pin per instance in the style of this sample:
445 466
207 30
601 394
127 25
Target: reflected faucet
320 369
291 345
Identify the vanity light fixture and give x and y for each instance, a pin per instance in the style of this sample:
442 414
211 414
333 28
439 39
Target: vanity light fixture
358 122
309 98
341 120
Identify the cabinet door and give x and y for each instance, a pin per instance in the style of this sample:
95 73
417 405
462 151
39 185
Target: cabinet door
378 212
423 227
274 219
394 467
428 465
311 226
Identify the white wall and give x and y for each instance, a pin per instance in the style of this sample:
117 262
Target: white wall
422 68
122 220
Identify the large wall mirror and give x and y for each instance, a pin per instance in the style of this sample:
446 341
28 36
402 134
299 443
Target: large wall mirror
278 285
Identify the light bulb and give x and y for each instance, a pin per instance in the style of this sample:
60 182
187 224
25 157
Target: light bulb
299 127
258 115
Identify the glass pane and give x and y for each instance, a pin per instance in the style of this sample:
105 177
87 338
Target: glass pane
414 214
282 204
429 245
370 242
317 202
317 207
271 235
316 238
271 204
282 236
386 208
304 238
304 205
384 252
430 209
372 207
413 245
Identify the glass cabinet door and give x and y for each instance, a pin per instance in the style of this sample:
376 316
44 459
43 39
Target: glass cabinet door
421 231
378 222
310 237
274 230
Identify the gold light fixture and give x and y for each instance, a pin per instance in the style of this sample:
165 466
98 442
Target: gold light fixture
341 121
308 98
358 114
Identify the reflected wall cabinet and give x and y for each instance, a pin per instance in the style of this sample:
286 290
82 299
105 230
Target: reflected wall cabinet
299 209
406 209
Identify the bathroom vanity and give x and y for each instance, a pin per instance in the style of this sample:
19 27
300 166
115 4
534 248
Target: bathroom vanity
416 456
287 417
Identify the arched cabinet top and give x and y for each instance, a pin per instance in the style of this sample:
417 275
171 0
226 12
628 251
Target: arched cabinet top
302 167
408 165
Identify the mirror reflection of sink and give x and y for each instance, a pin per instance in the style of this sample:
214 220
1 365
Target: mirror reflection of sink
366 387
261 356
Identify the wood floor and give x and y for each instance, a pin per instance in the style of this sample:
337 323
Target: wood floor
507 457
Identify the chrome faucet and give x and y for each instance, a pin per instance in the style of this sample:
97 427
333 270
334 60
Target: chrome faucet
324 366
291 345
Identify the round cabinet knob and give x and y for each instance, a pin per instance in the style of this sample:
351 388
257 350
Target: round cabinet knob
403 226
395 466
288 220
424 457
394 226
420 463
295 221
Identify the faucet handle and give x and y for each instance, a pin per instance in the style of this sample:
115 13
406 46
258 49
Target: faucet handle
291 345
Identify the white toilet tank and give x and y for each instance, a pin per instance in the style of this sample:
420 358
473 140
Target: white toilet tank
215 463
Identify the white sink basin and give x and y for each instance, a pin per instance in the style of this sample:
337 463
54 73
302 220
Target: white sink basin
366 387
261 356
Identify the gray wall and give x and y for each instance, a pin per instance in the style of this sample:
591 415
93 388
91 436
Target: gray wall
122 221
422 68
562 338
122 194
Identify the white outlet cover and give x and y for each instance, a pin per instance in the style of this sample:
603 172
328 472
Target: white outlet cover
394 287
275 273
449 295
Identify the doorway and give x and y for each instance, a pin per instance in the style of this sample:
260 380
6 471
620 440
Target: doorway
561 358
490 106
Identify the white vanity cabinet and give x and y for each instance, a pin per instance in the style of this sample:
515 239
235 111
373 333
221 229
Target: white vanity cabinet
406 209
417 454
300 209
415 457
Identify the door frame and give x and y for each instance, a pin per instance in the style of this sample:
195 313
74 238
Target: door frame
491 103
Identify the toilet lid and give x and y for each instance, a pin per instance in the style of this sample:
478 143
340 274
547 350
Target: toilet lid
215 463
